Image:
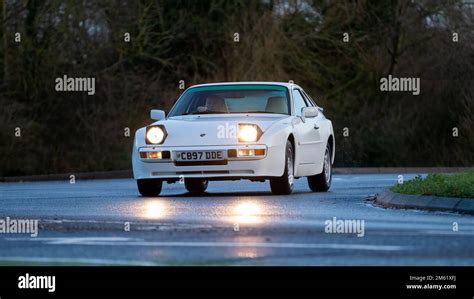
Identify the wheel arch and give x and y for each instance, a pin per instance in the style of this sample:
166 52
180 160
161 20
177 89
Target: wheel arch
291 138
331 143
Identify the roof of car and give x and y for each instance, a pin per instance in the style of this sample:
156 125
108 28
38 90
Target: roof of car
285 84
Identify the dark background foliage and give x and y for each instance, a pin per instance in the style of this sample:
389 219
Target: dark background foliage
194 41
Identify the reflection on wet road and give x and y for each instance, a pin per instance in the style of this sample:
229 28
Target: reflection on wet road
234 223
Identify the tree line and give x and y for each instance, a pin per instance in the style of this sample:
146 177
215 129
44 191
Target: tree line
141 52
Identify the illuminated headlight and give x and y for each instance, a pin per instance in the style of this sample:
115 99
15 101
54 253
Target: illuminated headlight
249 133
155 134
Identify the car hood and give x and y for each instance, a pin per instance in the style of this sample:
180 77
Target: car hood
198 130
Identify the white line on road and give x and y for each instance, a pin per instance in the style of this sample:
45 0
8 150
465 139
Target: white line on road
117 241
72 261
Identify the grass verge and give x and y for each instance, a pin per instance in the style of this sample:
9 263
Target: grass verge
449 185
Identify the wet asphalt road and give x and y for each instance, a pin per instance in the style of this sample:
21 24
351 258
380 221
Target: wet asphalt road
235 223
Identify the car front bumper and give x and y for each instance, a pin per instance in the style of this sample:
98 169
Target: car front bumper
269 165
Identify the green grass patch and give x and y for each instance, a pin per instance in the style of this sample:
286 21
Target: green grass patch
449 185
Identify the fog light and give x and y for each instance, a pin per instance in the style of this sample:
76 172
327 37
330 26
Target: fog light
154 155
245 153
259 152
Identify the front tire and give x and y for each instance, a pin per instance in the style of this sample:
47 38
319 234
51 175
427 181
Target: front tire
284 185
322 182
149 187
196 186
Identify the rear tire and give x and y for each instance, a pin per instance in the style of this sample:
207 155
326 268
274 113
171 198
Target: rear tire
196 186
284 185
149 187
322 182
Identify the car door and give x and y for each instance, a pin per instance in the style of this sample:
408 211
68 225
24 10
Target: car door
307 134
320 125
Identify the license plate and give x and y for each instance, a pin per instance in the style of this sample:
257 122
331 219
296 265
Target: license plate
200 156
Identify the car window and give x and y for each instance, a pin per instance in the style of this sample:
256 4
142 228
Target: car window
308 99
299 102
219 99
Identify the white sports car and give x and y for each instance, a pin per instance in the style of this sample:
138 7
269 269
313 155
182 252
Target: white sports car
230 131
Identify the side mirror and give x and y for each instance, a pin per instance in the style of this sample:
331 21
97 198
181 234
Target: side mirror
157 114
310 112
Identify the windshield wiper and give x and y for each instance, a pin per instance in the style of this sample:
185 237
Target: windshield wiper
256 111
203 112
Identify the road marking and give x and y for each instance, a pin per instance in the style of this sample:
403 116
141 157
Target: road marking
449 233
119 241
149 225
72 261
78 240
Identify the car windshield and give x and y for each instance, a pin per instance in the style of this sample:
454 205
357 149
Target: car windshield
223 99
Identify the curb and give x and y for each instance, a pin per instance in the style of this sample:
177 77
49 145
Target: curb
390 199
